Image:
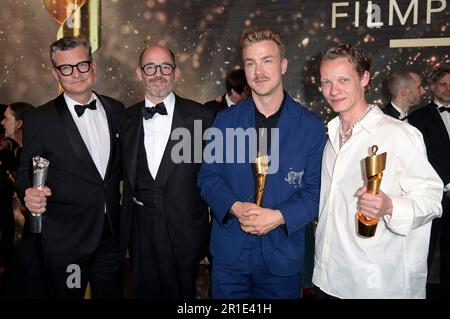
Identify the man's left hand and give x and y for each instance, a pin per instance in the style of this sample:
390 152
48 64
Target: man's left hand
263 220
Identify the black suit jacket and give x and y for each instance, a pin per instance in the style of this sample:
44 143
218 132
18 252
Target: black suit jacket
391 111
216 106
185 211
428 120
75 212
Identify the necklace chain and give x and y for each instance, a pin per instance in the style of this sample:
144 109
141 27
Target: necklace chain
344 135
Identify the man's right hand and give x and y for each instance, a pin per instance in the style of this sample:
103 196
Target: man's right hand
239 208
36 199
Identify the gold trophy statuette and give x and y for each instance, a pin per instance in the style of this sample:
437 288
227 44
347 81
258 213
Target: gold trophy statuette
375 164
260 167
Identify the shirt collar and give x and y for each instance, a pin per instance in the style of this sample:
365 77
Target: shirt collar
229 102
439 104
402 113
71 102
169 102
369 123
275 115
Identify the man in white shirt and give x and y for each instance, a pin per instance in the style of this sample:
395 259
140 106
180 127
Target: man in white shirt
406 91
164 219
78 132
392 263
433 120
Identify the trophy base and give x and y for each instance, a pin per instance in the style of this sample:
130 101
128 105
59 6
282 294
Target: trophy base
366 227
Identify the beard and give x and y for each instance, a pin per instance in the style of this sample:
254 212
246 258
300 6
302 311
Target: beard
159 86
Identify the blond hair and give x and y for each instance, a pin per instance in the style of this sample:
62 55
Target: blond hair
252 37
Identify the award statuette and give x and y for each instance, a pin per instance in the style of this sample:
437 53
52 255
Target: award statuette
260 166
375 164
40 171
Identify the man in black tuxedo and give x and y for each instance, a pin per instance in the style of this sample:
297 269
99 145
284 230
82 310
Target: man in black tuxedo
406 91
78 132
433 120
237 90
164 219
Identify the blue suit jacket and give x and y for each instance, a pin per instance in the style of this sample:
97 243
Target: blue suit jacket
294 189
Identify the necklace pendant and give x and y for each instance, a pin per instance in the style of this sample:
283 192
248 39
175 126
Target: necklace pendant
343 136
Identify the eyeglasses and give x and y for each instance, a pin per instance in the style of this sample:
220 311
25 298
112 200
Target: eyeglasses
67 69
150 69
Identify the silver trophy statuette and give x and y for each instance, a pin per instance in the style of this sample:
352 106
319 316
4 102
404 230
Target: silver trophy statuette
40 171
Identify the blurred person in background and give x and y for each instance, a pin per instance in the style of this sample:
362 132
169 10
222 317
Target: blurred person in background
10 150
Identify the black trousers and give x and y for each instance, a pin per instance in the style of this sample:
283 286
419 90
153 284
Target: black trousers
68 275
26 278
156 273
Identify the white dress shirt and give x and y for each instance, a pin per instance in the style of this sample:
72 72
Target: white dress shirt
393 263
94 130
157 132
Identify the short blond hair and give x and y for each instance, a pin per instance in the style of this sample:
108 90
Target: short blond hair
254 36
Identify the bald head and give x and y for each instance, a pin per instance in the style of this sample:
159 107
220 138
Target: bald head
157 47
157 72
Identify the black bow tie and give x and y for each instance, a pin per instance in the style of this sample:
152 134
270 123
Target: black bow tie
148 112
79 109
444 109
404 118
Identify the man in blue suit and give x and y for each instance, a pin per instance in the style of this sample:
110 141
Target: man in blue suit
258 251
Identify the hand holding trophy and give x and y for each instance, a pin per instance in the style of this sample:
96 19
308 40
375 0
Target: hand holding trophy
40 171
375 164
260 166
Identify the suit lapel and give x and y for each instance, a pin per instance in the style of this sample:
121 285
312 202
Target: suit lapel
74 136
440 126
133 131
248 114
248 121
182 118
112 133
286 122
